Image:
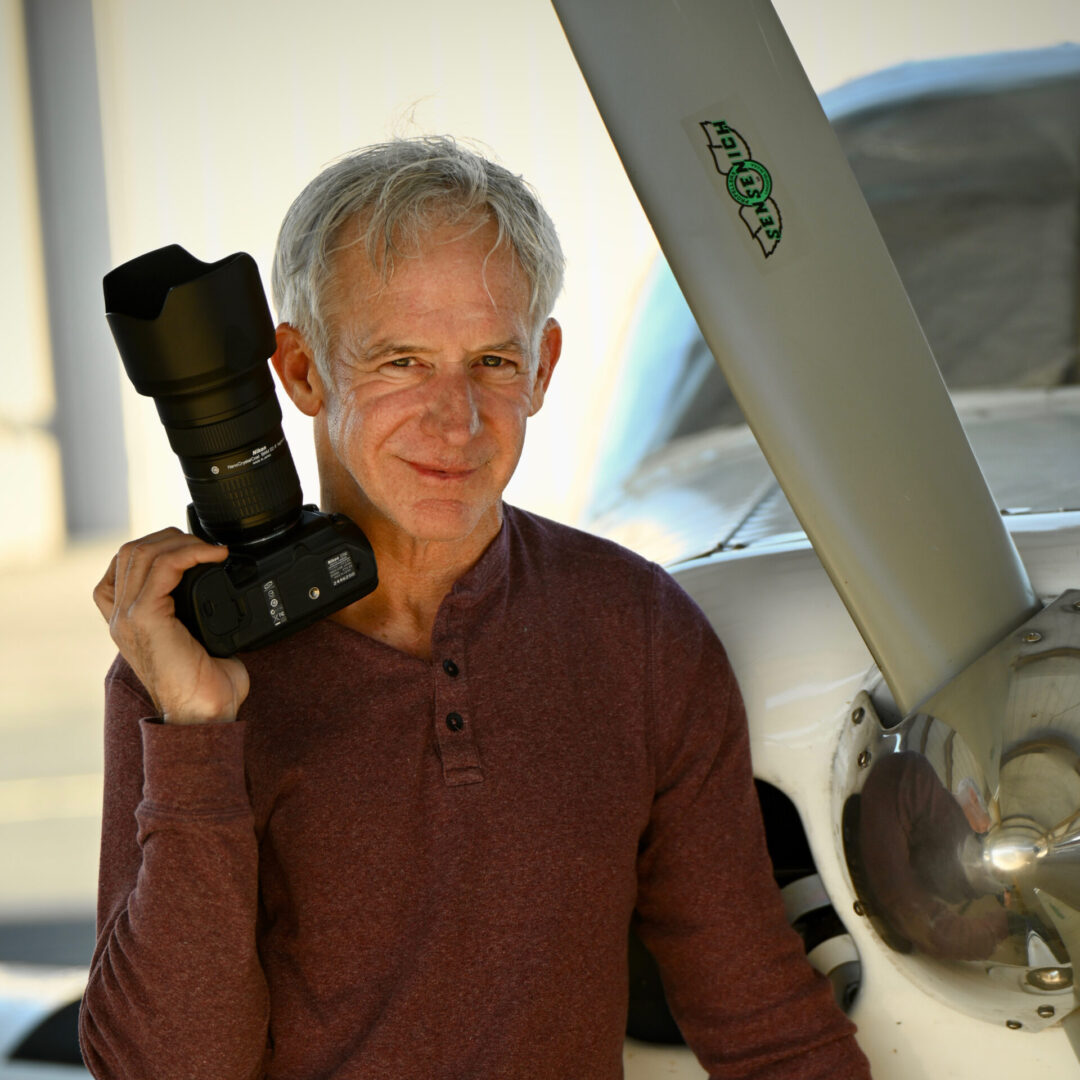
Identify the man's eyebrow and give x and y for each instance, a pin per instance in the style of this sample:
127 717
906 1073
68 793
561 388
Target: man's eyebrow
377 350
510 345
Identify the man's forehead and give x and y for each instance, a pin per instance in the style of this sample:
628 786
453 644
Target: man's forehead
455 255
456 281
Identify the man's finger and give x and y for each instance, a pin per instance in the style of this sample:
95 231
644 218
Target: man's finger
170 551
167 567
105 591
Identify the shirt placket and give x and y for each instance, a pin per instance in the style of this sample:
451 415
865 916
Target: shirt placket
454 734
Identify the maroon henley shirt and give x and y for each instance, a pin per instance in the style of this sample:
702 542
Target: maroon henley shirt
391 868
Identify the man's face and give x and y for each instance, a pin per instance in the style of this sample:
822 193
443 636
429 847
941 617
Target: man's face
433 376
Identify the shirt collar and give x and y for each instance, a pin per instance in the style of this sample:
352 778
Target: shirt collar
490 569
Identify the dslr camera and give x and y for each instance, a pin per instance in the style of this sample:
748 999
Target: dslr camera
195 337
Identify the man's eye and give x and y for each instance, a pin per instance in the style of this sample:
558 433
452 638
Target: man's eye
402 361
498 363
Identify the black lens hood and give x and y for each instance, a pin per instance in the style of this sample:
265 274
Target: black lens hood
182 325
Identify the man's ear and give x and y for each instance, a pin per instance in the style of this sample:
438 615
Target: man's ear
550 351
294 361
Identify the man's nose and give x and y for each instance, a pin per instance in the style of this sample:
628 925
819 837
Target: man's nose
450 412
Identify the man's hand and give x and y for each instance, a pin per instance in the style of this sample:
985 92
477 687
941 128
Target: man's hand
187 685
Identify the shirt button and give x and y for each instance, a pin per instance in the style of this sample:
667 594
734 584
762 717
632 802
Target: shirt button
454 721
450 668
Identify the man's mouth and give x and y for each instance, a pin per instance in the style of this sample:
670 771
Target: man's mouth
440 472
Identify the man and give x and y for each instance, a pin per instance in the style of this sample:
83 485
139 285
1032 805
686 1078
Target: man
409 841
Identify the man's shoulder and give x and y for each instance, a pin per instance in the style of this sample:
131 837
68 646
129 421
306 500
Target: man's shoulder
578 563
121 678
540 539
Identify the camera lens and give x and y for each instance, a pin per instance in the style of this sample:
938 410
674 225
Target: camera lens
235 458
195 336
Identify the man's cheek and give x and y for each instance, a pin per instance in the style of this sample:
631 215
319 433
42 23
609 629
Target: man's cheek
346 431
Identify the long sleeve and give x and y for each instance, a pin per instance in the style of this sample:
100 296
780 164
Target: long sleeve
736 978
175 987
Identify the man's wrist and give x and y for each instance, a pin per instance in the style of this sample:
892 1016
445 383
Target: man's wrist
192 718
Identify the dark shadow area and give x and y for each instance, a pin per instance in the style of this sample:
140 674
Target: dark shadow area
54 1040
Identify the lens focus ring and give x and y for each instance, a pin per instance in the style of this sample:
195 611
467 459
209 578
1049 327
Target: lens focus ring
232 507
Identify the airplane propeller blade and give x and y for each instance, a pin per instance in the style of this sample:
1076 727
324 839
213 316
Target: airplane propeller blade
782 265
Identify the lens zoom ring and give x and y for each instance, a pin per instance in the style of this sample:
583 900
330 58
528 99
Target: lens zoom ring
210 440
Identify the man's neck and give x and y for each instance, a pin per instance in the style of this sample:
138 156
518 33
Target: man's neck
414 579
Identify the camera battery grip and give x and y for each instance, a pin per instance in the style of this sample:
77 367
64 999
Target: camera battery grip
264 591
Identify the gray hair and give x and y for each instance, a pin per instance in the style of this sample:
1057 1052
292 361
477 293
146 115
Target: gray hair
394 192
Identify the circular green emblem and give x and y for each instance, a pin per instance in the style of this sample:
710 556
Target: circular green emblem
749 183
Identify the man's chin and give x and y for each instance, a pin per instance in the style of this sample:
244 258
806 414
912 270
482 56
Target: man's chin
450 522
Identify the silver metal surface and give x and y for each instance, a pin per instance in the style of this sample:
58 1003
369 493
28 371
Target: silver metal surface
963 836
714 491
814 333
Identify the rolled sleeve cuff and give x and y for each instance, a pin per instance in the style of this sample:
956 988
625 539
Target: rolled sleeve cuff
194 767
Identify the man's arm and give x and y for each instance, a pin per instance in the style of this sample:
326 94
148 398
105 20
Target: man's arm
735 974
175 986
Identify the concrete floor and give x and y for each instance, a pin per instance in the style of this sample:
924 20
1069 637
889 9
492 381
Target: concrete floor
54 651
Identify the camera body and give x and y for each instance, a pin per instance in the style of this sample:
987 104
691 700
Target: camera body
195 337
260 594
